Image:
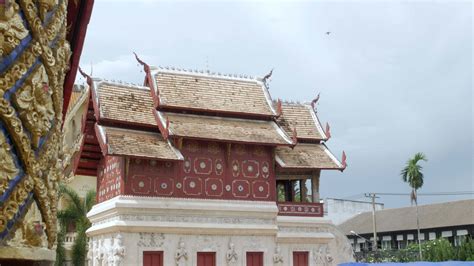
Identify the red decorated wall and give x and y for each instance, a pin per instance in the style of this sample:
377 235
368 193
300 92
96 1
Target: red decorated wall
210 170
110 173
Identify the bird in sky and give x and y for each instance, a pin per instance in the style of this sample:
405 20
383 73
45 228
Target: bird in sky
328 32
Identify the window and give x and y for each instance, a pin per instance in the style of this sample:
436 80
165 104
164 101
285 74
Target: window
300 258
460 237
421 237
432 236
410 239
294 190
458 240
281 191
152 258
386 242
254 259
206 259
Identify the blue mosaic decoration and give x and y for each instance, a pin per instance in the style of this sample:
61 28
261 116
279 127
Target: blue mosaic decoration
34 59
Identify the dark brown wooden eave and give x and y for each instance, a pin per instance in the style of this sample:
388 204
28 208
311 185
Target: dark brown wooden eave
78 17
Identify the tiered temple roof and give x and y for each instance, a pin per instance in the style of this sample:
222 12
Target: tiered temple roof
303 118
140 121
307 156
310 152
235 130
136 143
186 90
124 103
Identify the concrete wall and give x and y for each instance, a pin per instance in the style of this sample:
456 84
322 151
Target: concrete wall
339 210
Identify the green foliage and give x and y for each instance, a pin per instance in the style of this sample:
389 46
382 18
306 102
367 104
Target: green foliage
438 250
412 173
434 251
466 251
60 251
75 213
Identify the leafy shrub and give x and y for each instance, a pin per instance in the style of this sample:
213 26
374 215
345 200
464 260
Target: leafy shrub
435 251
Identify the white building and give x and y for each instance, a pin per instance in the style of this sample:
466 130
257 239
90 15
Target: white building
341 210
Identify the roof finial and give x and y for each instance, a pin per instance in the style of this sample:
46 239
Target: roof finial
146 67
328 131
344 163
266 77
314 102
87 77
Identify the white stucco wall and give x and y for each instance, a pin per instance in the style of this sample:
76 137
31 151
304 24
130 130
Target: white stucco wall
160 224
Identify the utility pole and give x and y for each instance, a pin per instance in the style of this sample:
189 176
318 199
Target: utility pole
373 196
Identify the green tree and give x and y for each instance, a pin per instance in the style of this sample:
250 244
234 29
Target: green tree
74 213
413 175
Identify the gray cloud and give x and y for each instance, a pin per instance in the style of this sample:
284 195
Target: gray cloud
395 77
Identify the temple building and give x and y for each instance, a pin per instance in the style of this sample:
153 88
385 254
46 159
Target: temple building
198 168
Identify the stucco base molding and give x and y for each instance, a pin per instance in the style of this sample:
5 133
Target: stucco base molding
182 228
27 253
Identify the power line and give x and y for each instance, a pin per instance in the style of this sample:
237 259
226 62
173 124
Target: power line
453 193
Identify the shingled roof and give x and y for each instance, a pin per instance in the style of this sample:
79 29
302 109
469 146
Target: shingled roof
224 129
307 156
401 219
304 119
137 143
124 102
209 92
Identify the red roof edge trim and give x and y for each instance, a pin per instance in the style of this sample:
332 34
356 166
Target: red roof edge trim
210 112
163 126
316 120
149 80
92 92
80 14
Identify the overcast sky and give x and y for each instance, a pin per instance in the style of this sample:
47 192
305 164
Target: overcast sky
395 77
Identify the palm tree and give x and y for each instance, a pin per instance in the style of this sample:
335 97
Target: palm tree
412 175
75 213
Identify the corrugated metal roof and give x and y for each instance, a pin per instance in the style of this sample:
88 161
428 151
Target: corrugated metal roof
401 219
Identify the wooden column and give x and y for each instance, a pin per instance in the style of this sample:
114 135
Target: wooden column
315 185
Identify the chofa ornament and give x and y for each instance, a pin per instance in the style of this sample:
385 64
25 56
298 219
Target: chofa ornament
34 59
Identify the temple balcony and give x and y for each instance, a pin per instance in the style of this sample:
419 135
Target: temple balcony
310 209
298 195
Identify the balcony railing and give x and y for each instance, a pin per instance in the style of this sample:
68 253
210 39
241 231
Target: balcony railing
300 209
69 239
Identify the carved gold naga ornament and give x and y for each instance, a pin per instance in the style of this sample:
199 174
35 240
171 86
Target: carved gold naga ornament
34 59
